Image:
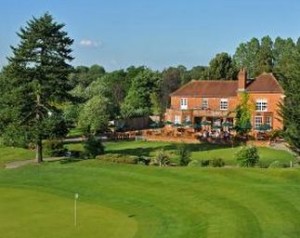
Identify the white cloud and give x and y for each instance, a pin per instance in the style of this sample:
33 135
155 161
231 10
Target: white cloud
90 43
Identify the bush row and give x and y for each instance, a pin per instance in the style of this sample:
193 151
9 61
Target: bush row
216 162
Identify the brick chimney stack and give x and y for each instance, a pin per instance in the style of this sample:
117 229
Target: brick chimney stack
242 80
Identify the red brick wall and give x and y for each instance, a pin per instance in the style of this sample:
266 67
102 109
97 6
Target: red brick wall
273 101
214 104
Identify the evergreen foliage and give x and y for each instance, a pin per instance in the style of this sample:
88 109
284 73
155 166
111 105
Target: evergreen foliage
37 81
92 147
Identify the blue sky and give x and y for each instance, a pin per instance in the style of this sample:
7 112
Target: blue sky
155 33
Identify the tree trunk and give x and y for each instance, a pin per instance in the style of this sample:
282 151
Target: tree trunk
38 151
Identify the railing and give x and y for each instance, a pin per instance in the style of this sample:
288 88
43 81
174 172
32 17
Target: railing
203 112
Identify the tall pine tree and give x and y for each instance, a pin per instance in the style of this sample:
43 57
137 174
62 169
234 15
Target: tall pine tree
38 76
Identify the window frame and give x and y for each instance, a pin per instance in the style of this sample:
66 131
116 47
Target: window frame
177 119
222 101
261 105
256 124
268 121
183 103
204 103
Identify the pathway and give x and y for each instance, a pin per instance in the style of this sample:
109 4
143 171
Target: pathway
17 164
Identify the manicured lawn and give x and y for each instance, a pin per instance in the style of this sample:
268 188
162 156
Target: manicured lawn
146 201
8 154
29 213
149 149
199 151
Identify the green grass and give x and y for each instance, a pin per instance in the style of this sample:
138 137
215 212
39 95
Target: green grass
199 151
75 132
146 201
139 201
9 154
54 216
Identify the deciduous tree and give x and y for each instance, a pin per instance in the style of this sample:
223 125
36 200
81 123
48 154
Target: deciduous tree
246 56
222 67
243 115
290 110
94 115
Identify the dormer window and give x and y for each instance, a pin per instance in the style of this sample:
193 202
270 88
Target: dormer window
224 104
183 103
261 105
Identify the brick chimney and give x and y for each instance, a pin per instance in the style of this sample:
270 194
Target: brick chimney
242 80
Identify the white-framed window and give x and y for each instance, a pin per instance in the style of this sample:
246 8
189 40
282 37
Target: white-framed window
204 104
187 119
258 121
223 104
268 121
261 105
177 120
183 103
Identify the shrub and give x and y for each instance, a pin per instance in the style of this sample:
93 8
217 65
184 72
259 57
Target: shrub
217 162
92 147
184 154
275 164
263 164
54 147
161 159
194 163
14 136
278 164
144 160
117 158
247 156
204 163
1 142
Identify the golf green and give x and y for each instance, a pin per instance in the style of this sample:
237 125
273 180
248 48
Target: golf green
29 213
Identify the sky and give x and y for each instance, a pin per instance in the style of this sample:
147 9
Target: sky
155 33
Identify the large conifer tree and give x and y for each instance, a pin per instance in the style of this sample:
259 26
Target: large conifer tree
38 82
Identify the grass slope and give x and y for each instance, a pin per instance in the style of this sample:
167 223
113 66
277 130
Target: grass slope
199 151
8 154
165 202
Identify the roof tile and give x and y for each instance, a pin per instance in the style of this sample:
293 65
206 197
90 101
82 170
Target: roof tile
265 83
208 89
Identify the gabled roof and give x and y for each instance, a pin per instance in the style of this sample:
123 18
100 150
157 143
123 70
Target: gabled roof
264 83
208 88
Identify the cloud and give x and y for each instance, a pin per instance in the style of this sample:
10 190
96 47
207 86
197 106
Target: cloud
90 43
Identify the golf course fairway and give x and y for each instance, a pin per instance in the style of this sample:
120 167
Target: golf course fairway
29 213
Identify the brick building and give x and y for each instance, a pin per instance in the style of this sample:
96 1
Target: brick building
214 101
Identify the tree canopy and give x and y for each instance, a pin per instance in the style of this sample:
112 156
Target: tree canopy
38 86
222 67
37 76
